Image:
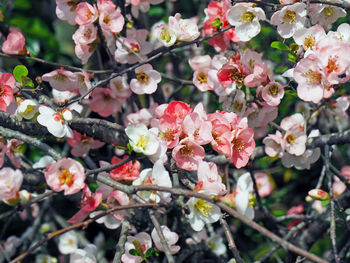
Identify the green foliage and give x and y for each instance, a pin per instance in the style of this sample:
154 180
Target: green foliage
279 45
19 72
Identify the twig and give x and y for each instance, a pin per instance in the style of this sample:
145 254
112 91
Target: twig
330 188
83 224
108 168
121 242
165 245
231 241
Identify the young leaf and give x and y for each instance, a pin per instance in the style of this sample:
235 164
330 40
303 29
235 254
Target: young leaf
292 57
279 45
134 252
19 72
149 252
27 82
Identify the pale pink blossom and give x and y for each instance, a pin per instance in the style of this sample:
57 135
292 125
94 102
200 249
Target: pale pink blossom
83 82
66 174
81 144
86 13
142 116
245 18
264 184
188 154
68 243
10 183
14 43
164 34
146 81
13 151
141 5
66 10
134 42
3 149
325 14
197 129
170 237
84 52
61 79
85 34
105 101
201 67
342 33
111 18
170 130
274 144
120 86
308 37
185 29
289 19
143 241
209 180
258 77
272 93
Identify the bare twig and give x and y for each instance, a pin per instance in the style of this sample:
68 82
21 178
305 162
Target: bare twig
231 241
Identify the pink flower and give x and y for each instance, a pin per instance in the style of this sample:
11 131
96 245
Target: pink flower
7 82
338 186
61 79
197 129
272 93
178 109
274 144
209 180
258 77
105 101
85 34
185 29
84 52
13 149
170 237
3 149
231 74
15 43
86 14
146 81
89 202
188 154
66 174
65 10
264 184
170 130
111 18
10 183
201 67
120 86
141 243
81 144
127 172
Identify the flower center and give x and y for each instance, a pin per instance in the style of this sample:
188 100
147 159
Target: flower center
142 77
238 145
273 89
65 177
202 77
60 77
107 20
289 17
135 47
332 65
236 76
204 207
328 11
310 42
142 142
29 109
186 151
238 106
165 35
313 76
291 138
247 17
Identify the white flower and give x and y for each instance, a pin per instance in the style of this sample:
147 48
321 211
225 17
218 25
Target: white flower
55 122
216 244
342 33
41 258
27 109
68 243
142 140
308 37
202 212
244 191
170 237
245 18
86 255
156 176
146 81
289 19
185 29
326 14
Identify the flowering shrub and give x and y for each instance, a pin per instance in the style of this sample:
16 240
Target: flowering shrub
148 131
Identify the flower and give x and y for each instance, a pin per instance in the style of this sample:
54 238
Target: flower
146 80
127 172
61 79
66 10
142 140
244 190
188 154
65 175
86 14
55 122
141 243
7 83
245 18
27 109
289 19
170 237
209 180
10 183
86 255
15 43
202 212
81 144
68 243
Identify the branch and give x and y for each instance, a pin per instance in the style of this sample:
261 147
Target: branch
231 241
121 242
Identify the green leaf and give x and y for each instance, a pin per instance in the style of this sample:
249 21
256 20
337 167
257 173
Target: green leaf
156 11
22 4
279 45
134 252
149 252
27 82
217 23
292 57
19 72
